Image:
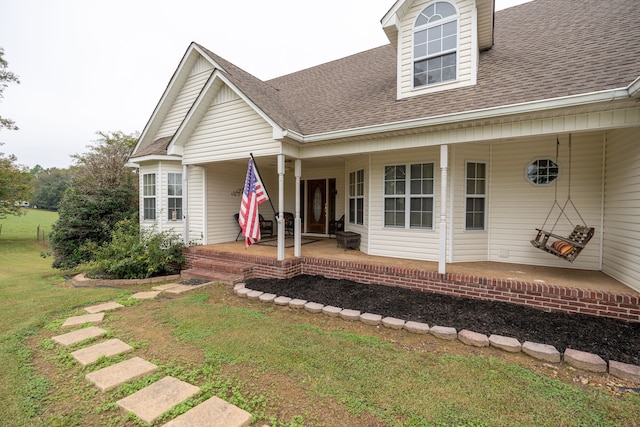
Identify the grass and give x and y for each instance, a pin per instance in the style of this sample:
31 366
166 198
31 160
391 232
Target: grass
287 368
29 298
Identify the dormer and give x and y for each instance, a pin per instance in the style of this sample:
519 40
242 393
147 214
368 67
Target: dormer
437 43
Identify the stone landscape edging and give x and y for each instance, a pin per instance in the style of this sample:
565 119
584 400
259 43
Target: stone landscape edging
578 359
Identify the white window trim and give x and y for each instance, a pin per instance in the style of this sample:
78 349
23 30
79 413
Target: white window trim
476 196
356 197
181 197
415 29
535 184
155 197
407 197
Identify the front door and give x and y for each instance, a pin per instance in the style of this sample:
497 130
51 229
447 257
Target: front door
316 206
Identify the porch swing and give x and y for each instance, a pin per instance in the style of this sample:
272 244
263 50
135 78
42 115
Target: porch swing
567 248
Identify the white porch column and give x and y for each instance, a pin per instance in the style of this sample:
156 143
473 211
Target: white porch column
297 249
281 207
185 204
444 167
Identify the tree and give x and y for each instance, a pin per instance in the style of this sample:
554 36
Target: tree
49 186
103 191
15 186
6 76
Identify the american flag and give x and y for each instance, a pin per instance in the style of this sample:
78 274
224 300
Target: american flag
252 196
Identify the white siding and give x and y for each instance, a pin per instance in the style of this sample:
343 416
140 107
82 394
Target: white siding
402 243
472 245
517 207
466 45
162 222
229 130
621 245
196 205
182 103
222 180
357 163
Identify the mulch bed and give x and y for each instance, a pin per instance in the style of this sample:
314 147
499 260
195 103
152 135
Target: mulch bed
609 338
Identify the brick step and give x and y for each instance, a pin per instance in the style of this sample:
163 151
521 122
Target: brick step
213 276
222 265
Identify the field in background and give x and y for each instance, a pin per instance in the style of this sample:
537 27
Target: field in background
34 225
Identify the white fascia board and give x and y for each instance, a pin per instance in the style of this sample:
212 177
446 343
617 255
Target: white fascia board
179 74
634 88
487 113
203 101
153 158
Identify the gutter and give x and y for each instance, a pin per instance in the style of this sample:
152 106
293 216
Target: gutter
633 90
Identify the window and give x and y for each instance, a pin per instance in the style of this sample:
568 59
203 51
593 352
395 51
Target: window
413 189
174 193
542 171
476 185
435 43
356 197
149 196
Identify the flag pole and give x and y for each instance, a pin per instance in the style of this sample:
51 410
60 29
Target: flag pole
255 165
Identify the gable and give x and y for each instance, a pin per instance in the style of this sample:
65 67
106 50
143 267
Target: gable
183 88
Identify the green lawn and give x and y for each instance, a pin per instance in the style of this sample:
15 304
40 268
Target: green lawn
288 368
29 298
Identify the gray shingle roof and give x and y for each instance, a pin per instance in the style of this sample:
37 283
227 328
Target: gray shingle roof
543 49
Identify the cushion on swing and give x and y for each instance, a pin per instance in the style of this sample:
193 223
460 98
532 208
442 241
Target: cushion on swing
563 247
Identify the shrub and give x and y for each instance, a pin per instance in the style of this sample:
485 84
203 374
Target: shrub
135 254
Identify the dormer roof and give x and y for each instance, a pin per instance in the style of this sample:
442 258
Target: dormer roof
391 21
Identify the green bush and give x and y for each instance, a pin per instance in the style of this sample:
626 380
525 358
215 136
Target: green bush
134 254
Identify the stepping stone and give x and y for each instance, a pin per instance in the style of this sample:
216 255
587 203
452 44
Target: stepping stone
371 319
243 292
254 295
625 371
417 327
115 375
107 348
81 320
267 298
177 288
313 307
331 311
79 335
156 399
145 295
213 412
238 286
347 314
297 303
103 307
444 332
473 338
282 301
393 323
544 352
583 360
511 345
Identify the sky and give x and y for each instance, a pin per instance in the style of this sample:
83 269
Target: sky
101 66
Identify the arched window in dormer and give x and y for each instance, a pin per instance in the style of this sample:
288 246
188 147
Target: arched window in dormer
435 45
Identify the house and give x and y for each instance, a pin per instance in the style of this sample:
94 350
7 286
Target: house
449 144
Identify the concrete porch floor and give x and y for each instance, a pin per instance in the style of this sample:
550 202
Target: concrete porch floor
554 276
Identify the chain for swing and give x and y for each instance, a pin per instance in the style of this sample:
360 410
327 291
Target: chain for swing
569 247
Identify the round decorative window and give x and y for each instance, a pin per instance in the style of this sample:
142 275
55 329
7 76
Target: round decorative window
542 171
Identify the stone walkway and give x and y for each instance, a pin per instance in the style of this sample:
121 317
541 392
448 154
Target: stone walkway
151 402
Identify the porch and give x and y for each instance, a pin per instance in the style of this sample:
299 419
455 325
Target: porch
546 288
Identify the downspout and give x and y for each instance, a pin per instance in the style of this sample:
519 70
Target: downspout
185 204
444 165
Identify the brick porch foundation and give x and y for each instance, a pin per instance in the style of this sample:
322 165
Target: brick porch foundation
540 296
